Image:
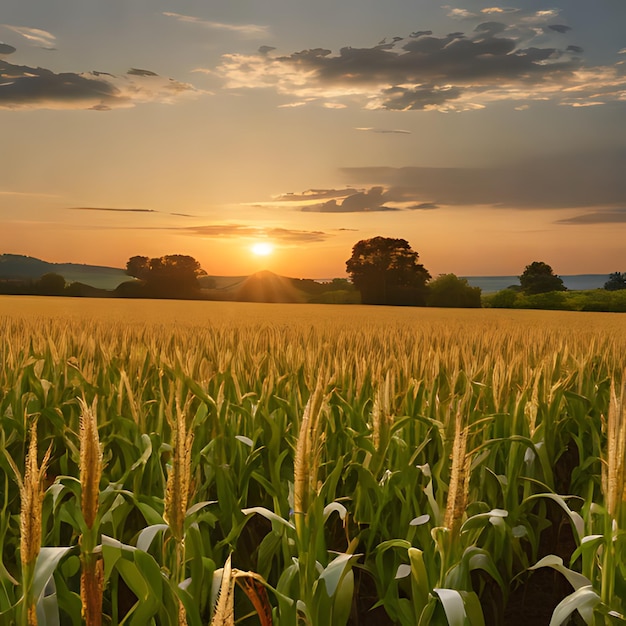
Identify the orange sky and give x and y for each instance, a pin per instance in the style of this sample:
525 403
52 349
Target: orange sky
487 136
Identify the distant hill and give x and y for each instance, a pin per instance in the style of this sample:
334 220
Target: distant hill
260 287
19 267
575 282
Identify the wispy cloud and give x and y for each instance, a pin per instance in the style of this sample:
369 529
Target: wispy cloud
24 87
250 30
521 58
603 216
109 209
396 131
35 36
121 210
285 235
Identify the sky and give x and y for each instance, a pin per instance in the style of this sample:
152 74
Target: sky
486 135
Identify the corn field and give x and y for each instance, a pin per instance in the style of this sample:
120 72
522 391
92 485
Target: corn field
203 463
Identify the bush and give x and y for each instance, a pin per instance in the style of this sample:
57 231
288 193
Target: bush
505 299
449 290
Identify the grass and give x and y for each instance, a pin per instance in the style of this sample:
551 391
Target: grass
320 464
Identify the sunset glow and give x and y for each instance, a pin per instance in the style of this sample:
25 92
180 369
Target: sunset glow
486 137
262 248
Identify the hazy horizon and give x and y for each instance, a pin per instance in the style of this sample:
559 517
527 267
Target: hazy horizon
277 136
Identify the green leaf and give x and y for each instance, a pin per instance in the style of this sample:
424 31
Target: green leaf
147 535
583 600
267 514
453 606
419 580
335 506
47 561
342 606
556 562
334 571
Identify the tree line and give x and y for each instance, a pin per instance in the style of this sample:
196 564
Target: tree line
384 270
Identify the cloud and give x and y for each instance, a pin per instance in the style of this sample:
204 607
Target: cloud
286 235
254 30
89 208
35 36
118 210
604 216
498 61
133 71
6 49
424 206
498 10
459 14
315 194
372 199
24 87
559 28
563 182
385 130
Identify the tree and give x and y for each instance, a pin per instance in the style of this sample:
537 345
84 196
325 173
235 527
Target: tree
50 284
172 275
538 277
386 271
617 280
448 290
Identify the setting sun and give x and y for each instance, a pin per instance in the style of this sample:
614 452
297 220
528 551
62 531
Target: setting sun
262 248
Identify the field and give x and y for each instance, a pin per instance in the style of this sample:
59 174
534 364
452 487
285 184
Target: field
217 463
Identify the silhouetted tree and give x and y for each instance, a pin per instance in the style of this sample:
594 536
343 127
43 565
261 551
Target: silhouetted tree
169 276
538 277
138 267
386 271
50 285
448 290
617 280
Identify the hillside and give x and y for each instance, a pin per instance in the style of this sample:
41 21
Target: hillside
19 267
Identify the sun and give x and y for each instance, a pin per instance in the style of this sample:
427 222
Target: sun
262 248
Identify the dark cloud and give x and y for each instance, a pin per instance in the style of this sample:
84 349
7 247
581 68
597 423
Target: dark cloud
559 182
24 87
606 216
420 98
559 28
133 71
89 208
239 230
5 48
266 49
458 71
374 199
491 28
424 206
315 194
575 49
118 210
569 181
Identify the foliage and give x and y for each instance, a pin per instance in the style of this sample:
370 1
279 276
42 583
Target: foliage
50 284
386 271
315 464
172 275
538 277
597 300
617 280
503 299
447 290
